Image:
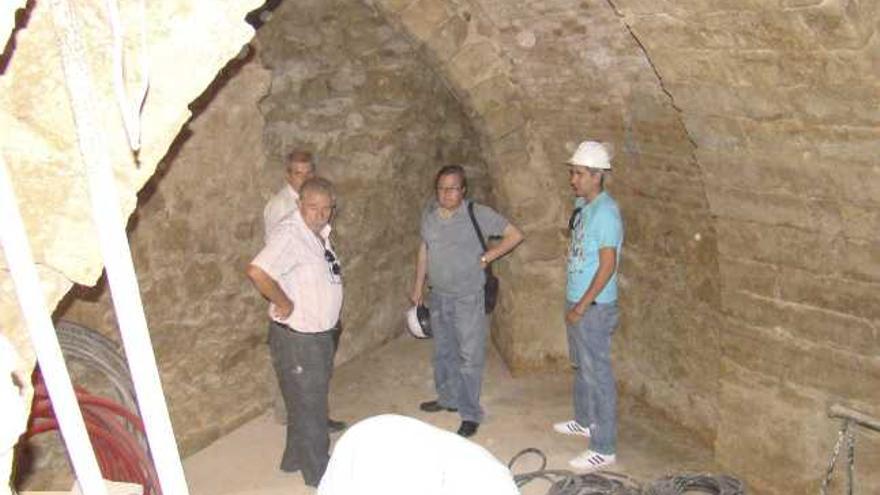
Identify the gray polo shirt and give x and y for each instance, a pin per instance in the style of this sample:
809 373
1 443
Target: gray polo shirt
454 249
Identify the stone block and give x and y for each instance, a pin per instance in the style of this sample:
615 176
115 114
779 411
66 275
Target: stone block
543 245
776 209
423 17
822 327
503 120
833 144
512 144
839 24
798 248
730 29
771 170
492 94
393 6
859 260
667 179
447 40
773 244
859 184
662 227
847 296
723 99
860 221
751 407
783 358
741 274
715 133
474 63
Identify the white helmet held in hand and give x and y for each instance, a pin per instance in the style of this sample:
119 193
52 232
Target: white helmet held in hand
418 322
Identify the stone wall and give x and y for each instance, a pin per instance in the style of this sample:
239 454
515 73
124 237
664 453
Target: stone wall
197 225
349 87
746 132
39 141
537 80
782 103
748 181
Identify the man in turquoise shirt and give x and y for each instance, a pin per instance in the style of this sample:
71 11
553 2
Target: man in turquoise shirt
591 312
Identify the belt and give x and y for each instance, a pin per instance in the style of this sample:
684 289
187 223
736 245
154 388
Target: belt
299 332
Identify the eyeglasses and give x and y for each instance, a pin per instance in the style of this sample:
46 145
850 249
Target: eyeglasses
335 269
448 189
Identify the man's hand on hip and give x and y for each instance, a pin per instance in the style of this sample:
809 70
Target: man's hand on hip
282 311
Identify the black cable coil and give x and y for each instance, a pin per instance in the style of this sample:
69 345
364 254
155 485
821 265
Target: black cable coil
564 482
714 484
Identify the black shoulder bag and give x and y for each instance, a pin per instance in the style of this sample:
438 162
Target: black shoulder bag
491 288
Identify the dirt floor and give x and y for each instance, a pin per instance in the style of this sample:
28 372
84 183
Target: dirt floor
396 377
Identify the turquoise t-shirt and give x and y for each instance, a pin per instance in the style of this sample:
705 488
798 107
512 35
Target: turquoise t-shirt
598 225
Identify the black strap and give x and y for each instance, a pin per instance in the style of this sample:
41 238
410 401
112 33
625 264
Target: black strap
479 232
476 225
573 218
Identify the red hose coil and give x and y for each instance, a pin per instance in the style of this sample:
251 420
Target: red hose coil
116 434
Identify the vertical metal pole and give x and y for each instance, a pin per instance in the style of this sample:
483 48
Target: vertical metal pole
45 341
117 255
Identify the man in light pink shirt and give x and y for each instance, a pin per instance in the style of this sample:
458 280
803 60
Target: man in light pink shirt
300 275
299 167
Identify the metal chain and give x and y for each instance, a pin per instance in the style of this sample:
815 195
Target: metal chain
851 458
844 435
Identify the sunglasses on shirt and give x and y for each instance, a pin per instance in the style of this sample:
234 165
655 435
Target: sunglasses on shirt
335 269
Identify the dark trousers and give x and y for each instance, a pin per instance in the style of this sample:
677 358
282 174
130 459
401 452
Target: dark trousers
303 363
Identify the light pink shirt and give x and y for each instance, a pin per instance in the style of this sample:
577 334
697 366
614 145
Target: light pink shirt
294 258
282 204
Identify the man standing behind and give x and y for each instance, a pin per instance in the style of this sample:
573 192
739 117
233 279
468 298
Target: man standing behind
591 312
299 167
298 272
451 257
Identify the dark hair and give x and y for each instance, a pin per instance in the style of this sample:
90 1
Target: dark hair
451 170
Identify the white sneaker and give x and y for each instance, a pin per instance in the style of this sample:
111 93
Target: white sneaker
571 428
591 461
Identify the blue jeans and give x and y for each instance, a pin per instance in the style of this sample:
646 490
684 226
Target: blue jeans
303 363
459 324
595 394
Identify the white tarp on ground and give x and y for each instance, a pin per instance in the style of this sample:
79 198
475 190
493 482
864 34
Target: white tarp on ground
398 455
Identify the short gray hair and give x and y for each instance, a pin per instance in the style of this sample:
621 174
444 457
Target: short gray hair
318 185
299 156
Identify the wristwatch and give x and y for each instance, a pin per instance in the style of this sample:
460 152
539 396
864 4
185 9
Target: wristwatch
484 260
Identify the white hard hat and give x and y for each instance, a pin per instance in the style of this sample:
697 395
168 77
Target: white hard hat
418 322
591 154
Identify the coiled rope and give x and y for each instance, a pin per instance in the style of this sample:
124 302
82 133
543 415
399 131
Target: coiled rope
564 482
714 484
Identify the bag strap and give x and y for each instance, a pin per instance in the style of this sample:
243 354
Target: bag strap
476 225
479 232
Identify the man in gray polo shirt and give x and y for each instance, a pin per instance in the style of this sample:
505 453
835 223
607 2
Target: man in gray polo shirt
452 259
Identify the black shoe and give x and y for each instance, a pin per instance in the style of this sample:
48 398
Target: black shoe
434 406
335 426
468 428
